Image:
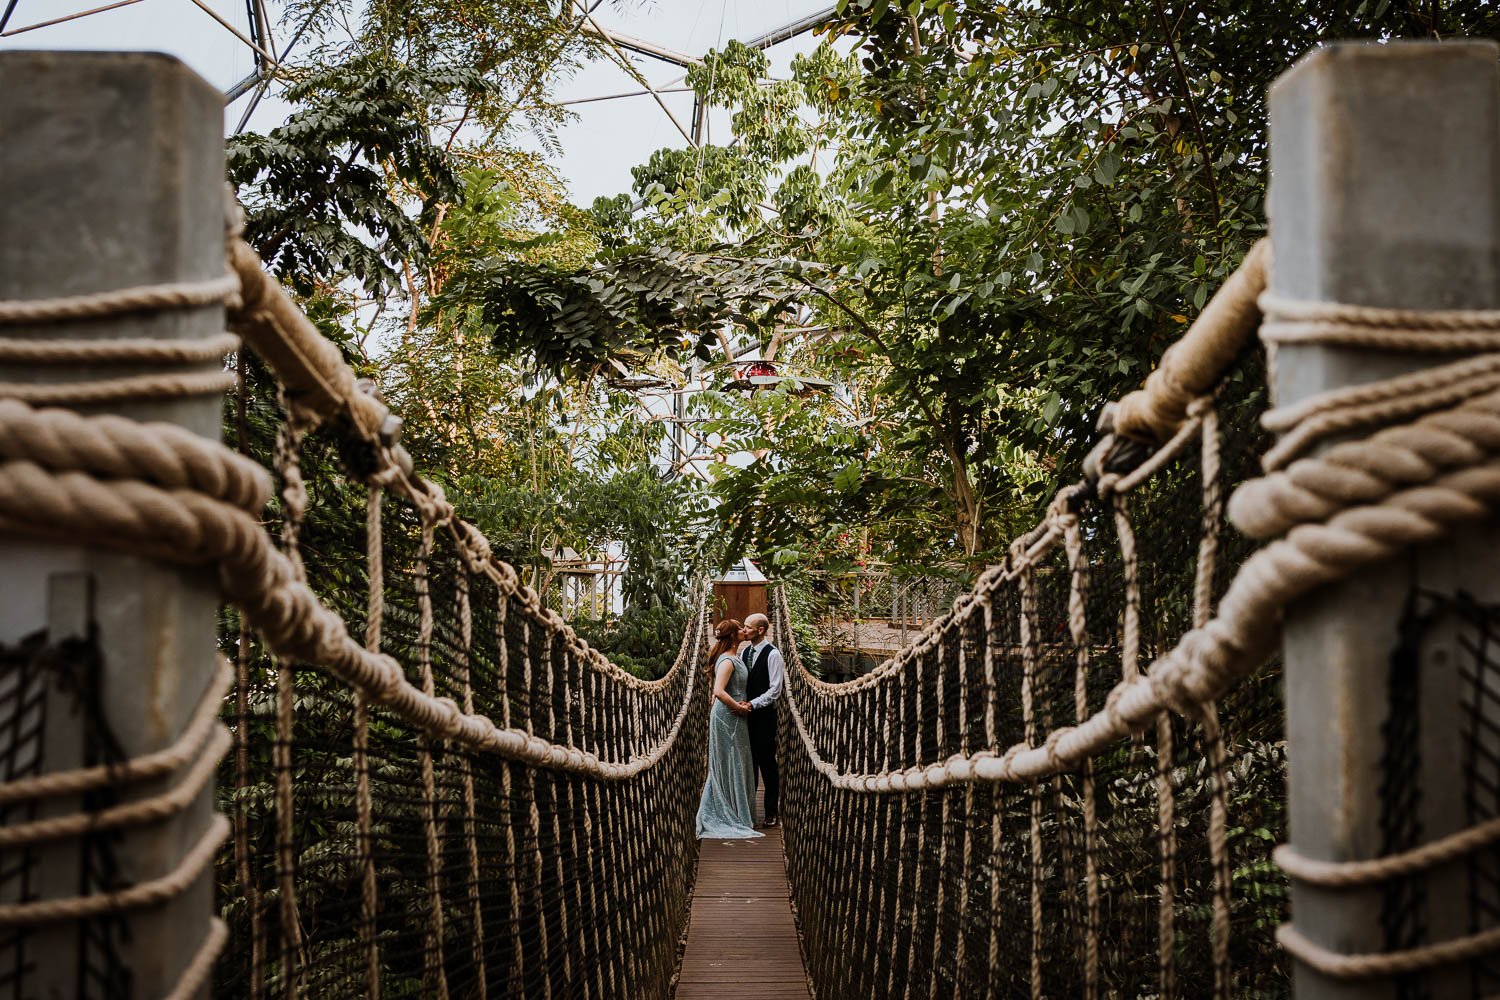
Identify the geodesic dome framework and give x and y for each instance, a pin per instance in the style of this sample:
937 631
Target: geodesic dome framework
240 44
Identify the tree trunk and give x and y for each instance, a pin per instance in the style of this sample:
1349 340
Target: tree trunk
965 500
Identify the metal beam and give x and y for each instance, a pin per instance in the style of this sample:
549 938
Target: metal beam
629 93
791 30
60 20
236 32
640 46
624 62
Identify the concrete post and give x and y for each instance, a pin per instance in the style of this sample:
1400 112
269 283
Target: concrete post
1385 191
113 171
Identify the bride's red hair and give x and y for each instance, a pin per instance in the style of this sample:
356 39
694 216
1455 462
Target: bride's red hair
727 636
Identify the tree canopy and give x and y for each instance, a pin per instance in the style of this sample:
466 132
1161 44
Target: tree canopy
978 222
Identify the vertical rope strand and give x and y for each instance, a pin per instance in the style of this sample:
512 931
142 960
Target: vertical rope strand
241 818
1026 585
294 505
1078 627
364 804
966 862
471 839
286 847
1166 806
1213 737
534 815
435 974
242 734
516 978
992 743
561 792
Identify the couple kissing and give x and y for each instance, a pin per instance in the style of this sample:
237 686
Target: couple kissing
749 674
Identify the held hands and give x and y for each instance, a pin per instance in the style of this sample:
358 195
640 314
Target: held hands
741 708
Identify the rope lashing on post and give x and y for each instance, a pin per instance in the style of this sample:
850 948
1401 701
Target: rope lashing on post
1362 874
151 892
121 302
201 747
1442 465
204 739
200 729
123 351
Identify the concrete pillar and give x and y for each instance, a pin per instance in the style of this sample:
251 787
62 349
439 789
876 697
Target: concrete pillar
1385 191
113 171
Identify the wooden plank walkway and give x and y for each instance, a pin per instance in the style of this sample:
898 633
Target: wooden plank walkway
741 939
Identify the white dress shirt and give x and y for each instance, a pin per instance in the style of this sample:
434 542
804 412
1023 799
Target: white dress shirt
775 668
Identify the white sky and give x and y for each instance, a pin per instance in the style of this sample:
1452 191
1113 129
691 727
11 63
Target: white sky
599 146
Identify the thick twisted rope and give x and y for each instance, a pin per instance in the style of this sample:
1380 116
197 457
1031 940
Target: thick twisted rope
1457 407
152 892
1435 478
123 301
1193 366
132 516
112 447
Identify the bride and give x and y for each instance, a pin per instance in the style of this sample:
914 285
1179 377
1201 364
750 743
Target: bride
727 809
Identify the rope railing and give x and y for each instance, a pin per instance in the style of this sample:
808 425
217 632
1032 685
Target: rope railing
1070 784
558 867
465 800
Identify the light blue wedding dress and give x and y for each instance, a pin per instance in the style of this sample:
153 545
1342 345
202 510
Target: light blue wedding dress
727 809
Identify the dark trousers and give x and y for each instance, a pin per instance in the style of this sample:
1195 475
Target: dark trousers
763 752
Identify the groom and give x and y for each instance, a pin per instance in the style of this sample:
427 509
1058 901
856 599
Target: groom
763 687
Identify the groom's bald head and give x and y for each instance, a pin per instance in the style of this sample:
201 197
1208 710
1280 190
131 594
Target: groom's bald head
757 624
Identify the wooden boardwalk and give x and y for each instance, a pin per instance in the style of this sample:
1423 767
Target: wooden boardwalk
741 939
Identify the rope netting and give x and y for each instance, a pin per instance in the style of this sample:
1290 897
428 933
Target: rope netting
1068 785
434 787
374 856
1068 884
1072 784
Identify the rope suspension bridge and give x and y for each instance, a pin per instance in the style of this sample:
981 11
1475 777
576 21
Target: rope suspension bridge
1070 784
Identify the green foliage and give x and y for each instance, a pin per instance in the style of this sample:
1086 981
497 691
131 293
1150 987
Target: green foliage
321 191
630 307
644 642
1011 212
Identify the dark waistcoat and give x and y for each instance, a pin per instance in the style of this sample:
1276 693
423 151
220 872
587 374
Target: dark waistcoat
758 682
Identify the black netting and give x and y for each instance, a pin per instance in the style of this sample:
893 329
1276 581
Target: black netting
1100 881
57 685
490 877
1439 630
23 719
